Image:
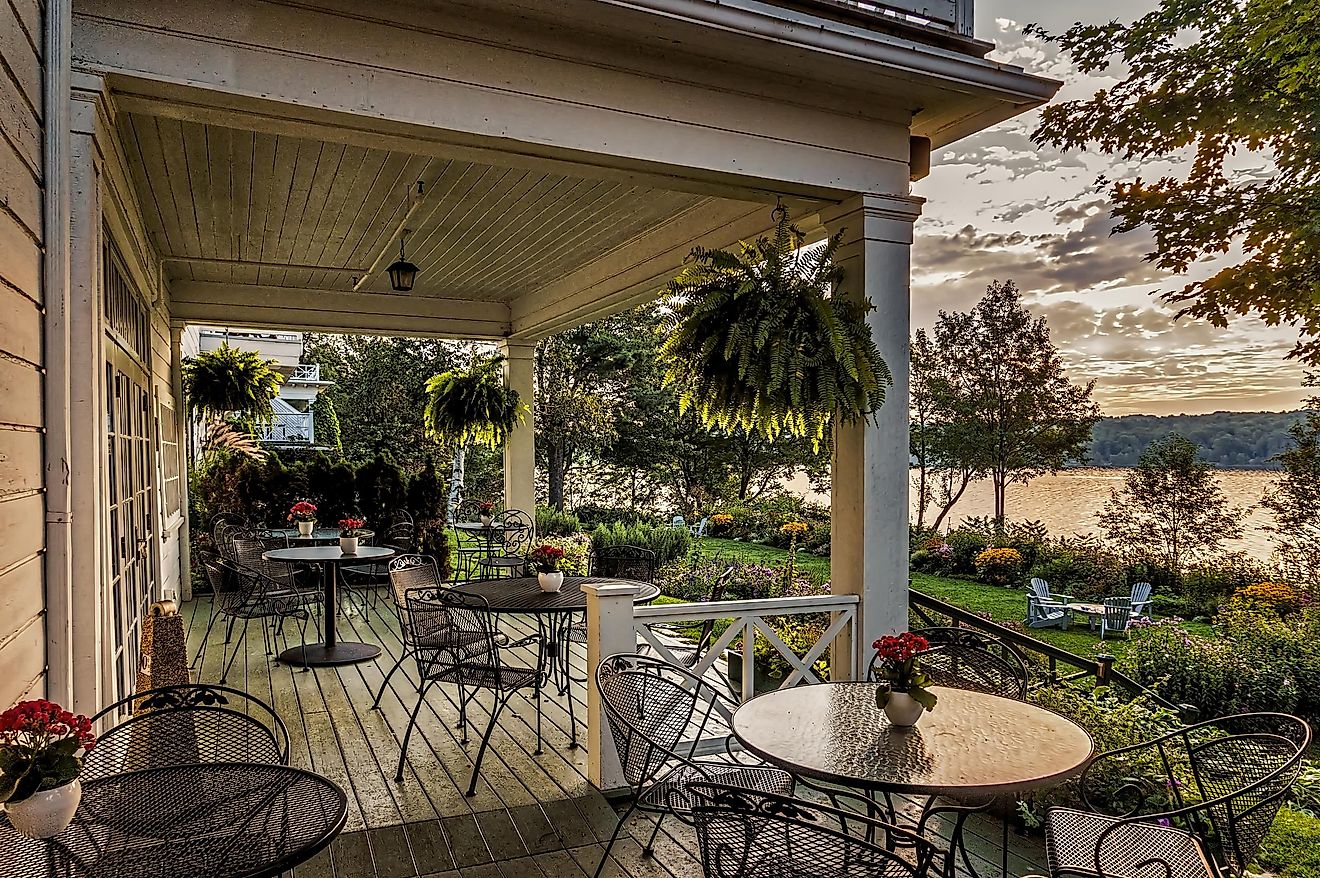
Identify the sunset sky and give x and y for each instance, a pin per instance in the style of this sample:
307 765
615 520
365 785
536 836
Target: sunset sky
998 207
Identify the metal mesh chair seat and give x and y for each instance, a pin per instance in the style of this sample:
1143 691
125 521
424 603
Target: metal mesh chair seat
673 792
747 833
180 725
506 677
1083 843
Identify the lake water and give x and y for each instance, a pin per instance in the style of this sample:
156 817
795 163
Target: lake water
1069 502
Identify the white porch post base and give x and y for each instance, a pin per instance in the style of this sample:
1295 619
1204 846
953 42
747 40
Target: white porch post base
520 449
869 497
609 632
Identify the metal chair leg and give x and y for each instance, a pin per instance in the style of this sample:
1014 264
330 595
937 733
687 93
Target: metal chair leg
614 836
242 639
407 733
496 709
649 849
207 636
539 749
375 705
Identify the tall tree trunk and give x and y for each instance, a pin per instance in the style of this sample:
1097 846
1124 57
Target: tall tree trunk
556 457
1001 483
456 476
954 497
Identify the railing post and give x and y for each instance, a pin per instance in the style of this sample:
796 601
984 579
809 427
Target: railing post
609 631
1103 665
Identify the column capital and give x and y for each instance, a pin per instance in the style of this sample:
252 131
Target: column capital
518 350
609 589
877 216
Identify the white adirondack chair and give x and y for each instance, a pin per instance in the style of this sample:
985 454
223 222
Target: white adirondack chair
1046 609
1141 599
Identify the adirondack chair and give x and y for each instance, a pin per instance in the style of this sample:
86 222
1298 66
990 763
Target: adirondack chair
1117 618
1046 609
1141 601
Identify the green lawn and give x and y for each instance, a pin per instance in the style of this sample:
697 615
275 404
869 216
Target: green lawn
1002 604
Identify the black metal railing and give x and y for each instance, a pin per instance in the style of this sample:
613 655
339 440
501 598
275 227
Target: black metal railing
1054 664
954 16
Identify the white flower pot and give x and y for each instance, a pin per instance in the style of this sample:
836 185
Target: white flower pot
46 813
486 520
348 545
903 710
305 528
551 581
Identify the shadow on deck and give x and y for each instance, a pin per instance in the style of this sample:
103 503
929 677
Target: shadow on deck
531 815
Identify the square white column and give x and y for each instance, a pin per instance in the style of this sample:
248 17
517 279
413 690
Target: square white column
520 449
869 476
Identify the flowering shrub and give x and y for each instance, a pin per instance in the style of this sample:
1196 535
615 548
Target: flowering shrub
577 553
999 566
303 510
1268 597
41 748
351 527
545 558
794 529
897 664
721 520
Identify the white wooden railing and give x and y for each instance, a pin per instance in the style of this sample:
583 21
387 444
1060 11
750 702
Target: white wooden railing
615 625
292 428
951 15
306 372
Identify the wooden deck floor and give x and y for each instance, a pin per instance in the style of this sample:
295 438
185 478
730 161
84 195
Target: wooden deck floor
531 815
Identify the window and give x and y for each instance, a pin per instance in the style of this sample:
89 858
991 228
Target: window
167 428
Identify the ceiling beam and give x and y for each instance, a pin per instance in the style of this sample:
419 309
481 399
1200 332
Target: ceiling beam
636 271
223 304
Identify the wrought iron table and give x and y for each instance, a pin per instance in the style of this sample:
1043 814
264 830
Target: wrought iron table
554 615
321 536
972 746
330 651
218 820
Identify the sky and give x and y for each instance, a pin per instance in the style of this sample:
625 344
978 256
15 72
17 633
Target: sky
998 207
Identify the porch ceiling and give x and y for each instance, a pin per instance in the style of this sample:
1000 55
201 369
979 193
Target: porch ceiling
238 207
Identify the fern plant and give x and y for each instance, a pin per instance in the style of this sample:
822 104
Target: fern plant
229 382
473 406
758 340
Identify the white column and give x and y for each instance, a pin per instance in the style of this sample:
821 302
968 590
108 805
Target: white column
87 410
181 431
869 477
520 450
609 632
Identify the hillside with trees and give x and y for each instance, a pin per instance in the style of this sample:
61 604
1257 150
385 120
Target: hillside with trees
1232 440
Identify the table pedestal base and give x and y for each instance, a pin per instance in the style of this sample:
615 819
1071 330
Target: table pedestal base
320 655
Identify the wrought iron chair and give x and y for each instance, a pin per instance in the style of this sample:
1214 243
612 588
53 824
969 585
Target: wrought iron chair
742 832
516 532
963 658
624 562
411 572
268 591
1222 781
1117 618
658 712
223 527
469 547
690 656
455 642
178 725
401 536
1046 609
1141 600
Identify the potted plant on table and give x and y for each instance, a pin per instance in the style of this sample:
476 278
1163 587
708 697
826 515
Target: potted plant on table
486 510
303 514
903 694
350 529
545 558
41 751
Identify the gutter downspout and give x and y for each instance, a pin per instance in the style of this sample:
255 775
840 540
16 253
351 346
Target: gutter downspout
417 198
58 561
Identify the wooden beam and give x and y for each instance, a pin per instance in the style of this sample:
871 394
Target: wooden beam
636 271
336 311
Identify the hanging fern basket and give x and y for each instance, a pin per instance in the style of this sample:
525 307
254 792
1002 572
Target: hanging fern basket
759 341
473 406
228 382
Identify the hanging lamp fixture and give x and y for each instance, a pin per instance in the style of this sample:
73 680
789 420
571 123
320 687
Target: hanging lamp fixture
402 272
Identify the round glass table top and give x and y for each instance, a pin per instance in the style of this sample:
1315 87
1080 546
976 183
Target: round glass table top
523 594
970 744
324 554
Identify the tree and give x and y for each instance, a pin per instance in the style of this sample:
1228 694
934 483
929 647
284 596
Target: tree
379 392
1172 508
1294 500
1000 398
327 423
1212 79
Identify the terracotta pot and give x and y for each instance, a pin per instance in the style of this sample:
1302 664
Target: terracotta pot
348 545
46 813
551 581
903 710
305 528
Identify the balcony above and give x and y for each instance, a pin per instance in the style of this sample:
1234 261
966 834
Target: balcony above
946 23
